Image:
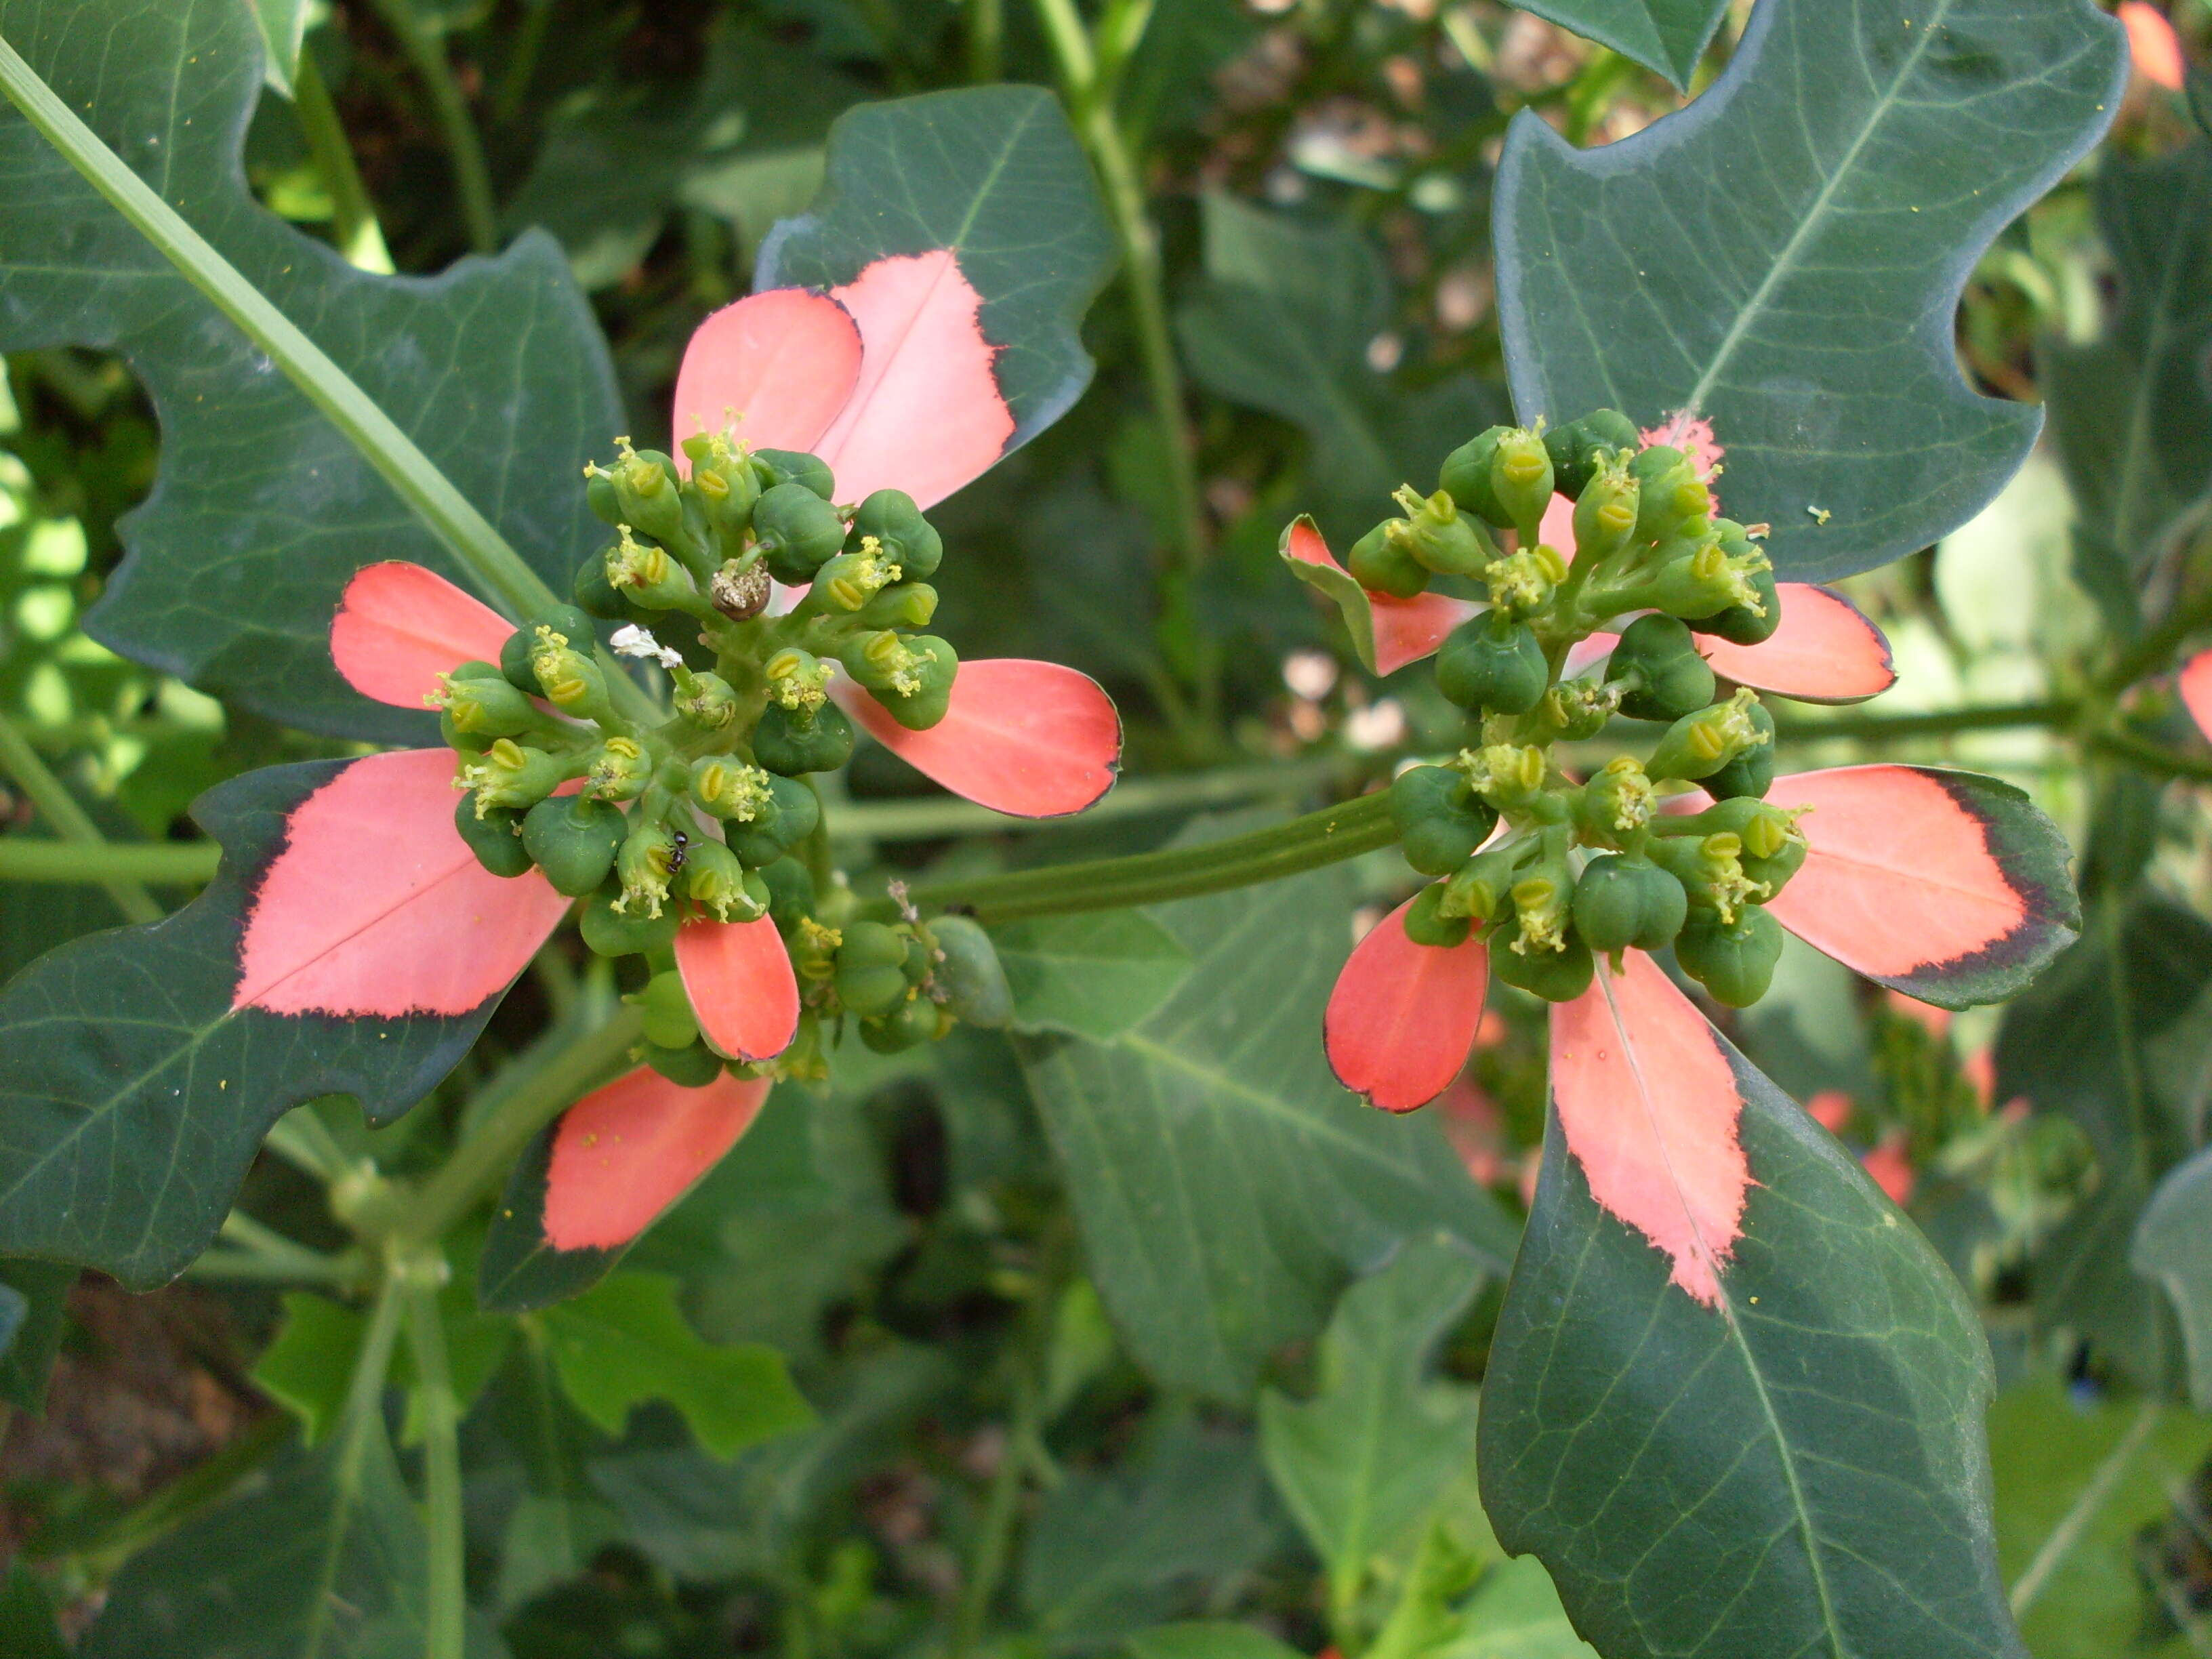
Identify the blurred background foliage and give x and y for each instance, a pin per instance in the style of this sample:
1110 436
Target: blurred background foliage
995 1464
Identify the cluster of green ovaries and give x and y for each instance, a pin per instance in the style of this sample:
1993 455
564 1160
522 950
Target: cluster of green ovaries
1594 868
690 578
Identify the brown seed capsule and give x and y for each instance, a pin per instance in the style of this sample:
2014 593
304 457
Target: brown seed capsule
740 591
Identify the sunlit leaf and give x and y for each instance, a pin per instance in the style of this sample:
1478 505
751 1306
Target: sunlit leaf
1092 974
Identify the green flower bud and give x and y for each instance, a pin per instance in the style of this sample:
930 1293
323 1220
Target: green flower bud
705 701
1441 820
1521 584
912 679
1575 448
619 771
600 493
1437 537
610 931
491 836
571 681
727 485
1543 899
1733 960
1764 831
692 1066
1380 562
1606 514
1466 478
1627 903
791 741
596 596
974 982
1558 976
484 707
903 605
1706 581
1427 924
1577 710
1521 479
798 532
909 540
644 863
1752 623
848 582
871 974
573 840
1752 772
782 466
648 577
509 774
646 492
669 1022
720 886
1480 889
726 788
1661 473
797 680
788 818
1492 662
1660 672
1509 776
1613 807
790 893
1709 868
1697 745
907 1025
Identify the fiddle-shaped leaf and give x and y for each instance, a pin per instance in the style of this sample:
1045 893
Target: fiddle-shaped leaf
1783 258
263 509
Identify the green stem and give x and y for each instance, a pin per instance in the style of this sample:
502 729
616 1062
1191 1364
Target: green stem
522 62
79 836
2151 757
986 32
353 215
1327 837
1090 98
995 1527
268 1254
564 1065
1935 723
496 568
441 1461
305 1141
166 863
425 47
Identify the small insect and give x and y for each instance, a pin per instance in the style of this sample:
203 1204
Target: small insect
1820 515
676 852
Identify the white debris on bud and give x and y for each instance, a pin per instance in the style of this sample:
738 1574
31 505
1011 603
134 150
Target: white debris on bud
631 641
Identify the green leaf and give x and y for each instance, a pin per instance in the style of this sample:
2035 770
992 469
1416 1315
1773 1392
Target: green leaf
2092 1040
1110 1553
1361 1464
2077 1484
993 173
307 1368
1094 974
2132 412
1207 1641
2174 1247
27 1629
263 510
1783 257
1225 1184
1796 1469
1666 37
1284 322
283 28
1515 1614
33 1308
624 1342
133 1095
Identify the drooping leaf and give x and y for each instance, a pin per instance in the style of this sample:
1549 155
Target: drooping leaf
1386 633
994 175
262 510
2077 1484
2132 412
1783 256
1110 1553
1283 323
625 1341
2085 1040
1361 1463
1093 974
1780 1454
2172 1246
1225 1184
1665 36
33 1312
139 1069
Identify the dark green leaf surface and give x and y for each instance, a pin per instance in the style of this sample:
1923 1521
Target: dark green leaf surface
993 173
1783 257
132 1095
520 1269
33 1311
2076 1482
1667 36
1364 1461
1094 974
2174 1248
2087 1040
262 510
1796 1470
1225 1182
2132 412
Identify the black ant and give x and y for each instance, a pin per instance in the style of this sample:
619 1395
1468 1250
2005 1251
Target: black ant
676 852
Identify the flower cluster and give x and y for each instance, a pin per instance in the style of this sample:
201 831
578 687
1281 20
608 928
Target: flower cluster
1593 866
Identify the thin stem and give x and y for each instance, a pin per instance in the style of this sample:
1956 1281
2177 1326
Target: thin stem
2151 756
522 1100
986 33
166 863
305 1141
2155 649
496 568
995 1528
287 1257
426 48
522 62
1936 723
1327 837
79 833
441 1461
353 215
251 1268
1089 97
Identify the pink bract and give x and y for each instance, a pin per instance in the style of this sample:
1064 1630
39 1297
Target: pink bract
1403 1016
623 1154
739 979
1406 630
399 626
